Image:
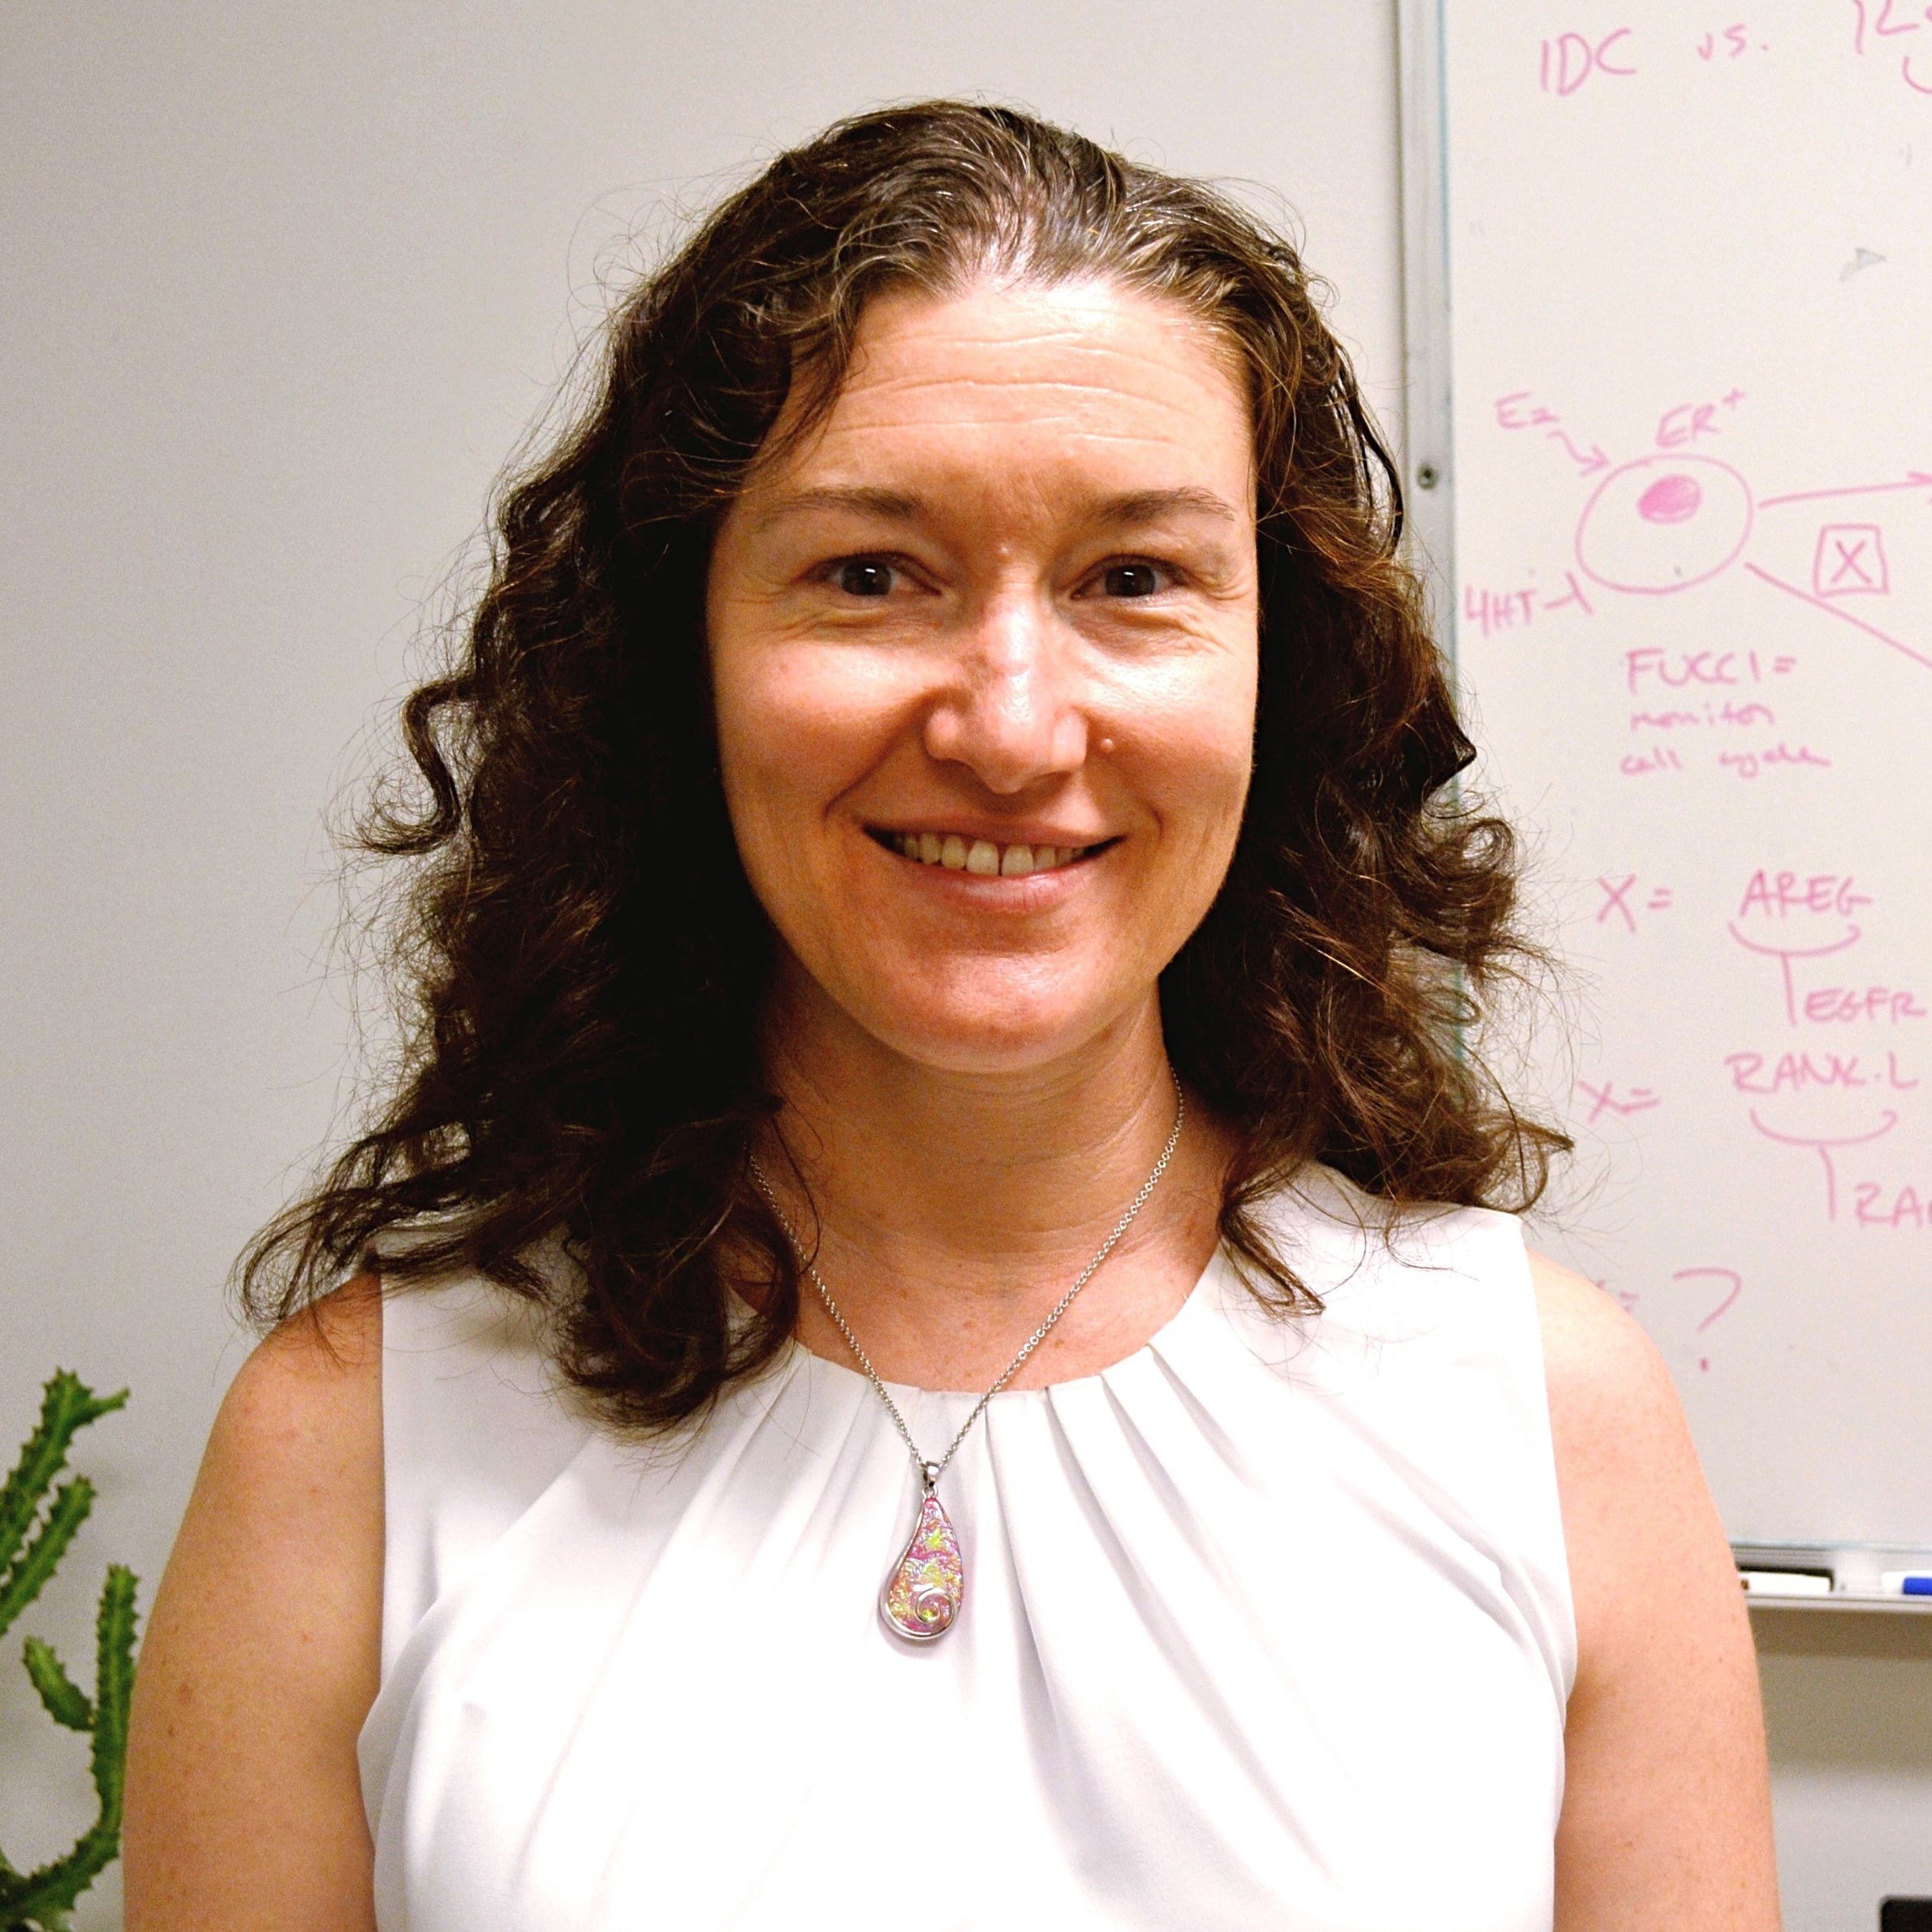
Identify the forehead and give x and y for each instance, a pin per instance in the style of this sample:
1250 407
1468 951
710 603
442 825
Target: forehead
1126 389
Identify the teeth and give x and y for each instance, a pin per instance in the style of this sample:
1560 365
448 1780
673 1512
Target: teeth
981 856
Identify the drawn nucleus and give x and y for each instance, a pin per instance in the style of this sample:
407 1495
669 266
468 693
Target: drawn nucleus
1664 522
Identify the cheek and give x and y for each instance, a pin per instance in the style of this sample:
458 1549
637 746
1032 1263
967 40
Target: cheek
797 726
1199 757
758 713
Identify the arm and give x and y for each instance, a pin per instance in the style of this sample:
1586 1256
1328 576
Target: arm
1666 1818
262 1658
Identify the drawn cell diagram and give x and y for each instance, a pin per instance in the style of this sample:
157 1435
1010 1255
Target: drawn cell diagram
1860 553
1664 524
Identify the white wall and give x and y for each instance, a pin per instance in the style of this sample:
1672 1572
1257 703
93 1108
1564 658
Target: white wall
284 284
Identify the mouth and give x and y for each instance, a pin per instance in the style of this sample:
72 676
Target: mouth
954 851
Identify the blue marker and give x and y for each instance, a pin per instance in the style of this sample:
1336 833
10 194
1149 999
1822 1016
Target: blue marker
1907 1583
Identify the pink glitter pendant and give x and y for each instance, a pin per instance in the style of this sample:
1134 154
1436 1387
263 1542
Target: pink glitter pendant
922 1597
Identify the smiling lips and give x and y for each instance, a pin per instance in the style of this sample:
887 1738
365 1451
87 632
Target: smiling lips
981 856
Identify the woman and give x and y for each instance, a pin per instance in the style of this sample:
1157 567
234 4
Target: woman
939 874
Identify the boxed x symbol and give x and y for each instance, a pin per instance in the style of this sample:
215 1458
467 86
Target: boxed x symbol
1850 561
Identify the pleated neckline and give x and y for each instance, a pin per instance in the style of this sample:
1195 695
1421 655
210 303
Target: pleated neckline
796 1358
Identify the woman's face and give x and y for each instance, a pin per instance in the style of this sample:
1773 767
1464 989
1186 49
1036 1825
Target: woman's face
984 652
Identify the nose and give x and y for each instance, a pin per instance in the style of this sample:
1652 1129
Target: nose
1012 710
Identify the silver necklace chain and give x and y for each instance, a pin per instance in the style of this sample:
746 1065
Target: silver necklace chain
931 1471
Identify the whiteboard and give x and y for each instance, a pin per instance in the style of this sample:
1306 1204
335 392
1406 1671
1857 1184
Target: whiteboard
1672 383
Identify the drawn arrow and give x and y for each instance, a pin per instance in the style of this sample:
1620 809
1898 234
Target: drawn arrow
1831 609
1587 465
1915 479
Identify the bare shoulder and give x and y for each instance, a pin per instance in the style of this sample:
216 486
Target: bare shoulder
1582 1324
1667 1807
262 1656
1605 1375
292 1479
313 1388
1636 1509
293 1469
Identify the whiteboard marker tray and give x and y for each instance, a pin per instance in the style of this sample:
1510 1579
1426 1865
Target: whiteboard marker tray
1832 1577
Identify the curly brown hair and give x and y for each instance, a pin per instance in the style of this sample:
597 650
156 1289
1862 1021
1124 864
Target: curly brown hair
582 1059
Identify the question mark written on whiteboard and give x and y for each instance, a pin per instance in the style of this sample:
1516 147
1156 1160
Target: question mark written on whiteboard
1735 1286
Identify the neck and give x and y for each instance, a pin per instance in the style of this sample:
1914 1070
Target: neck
949 1211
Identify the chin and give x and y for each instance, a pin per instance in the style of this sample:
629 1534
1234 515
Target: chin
995 1031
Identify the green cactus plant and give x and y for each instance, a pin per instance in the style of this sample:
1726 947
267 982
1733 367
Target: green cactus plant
35 1529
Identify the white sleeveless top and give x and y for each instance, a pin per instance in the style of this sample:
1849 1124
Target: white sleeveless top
1267 1625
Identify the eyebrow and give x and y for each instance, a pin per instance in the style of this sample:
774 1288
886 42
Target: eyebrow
1149 506
1125 511
894 506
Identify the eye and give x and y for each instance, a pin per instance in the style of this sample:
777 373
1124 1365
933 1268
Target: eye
864 577
1131 580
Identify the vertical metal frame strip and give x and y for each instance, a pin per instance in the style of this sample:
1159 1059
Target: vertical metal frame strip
1429 467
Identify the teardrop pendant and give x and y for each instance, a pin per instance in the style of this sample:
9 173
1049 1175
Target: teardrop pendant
922 1597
